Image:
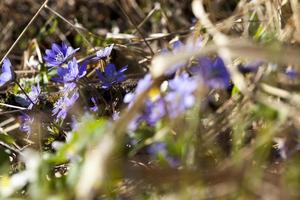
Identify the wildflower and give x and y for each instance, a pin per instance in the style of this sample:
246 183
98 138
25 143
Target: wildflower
31 98
95 107
105 52
213 72
177 47
7 74
111 76
62 106
115 116
58 55
158 148
249 67
141 86
68 87
72 73
154 111
292 73
180 97
26 122
154 106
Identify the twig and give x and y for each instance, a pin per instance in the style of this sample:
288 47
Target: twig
71 24
136 27
24 30
12 106
24 92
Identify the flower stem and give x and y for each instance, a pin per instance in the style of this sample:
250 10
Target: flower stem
24 92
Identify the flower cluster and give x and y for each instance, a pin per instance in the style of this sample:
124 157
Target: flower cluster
70 71
178 98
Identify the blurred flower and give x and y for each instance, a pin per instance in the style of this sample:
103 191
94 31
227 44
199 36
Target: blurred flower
158 148
292 73
105 52
7 74
72 73
26 122
111 76
213 72
95 107
180 97
59 54
68 87
250 67
62 106
154 111
141 86
115 116
33 95
191 45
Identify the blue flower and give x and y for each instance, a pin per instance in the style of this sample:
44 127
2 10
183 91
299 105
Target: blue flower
111 76
154 108
72 73
213 72
58 55
62 106
33 95
105 52
292 73
249 67
25 123
141 86
7 73
154 111
95 107
180 97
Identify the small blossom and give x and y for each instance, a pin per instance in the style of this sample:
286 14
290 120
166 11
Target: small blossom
158 148
154 111
7 74
141 86
213 72
105 52
111 76
33 95
292 73
249 67
180 97
26 122
62 106
59 54
95 107
72 73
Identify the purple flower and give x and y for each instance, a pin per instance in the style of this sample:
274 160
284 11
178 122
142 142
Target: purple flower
111 76
62 106
72 73
141 86
250 67
33 95
213 72
180 97
26 122
292 73
95 107
7 73
154 111
105 52
154 108
58 55
158 148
